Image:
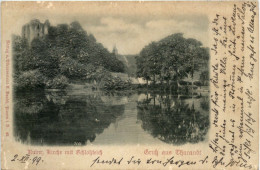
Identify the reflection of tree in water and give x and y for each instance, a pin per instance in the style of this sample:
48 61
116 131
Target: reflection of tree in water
204 104
172 120
55 118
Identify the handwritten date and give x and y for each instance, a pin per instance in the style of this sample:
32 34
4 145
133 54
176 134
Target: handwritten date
27 158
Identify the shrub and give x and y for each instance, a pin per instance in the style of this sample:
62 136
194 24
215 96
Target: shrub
30 79
115 83
59 81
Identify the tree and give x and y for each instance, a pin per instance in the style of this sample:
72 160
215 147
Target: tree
143 70
204 77
67 50
171 59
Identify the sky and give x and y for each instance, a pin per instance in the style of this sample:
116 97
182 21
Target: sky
130 33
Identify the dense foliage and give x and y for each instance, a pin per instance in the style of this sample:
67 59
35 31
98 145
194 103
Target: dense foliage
172 59
66 53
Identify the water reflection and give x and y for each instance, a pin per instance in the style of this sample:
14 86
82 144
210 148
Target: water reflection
65 117
57 118
175 119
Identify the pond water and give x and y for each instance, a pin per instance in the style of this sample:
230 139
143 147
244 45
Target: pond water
93 117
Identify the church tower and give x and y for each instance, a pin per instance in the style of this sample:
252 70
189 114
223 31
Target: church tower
35 29
115 51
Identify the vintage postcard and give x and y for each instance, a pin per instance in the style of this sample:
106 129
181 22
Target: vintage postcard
129 85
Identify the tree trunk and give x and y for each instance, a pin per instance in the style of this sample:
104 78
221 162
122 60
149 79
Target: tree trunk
170 88
177 85
177 79
192 84
161 82
168 85
153 80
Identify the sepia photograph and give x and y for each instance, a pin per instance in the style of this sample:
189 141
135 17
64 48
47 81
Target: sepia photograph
84 82
130 85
